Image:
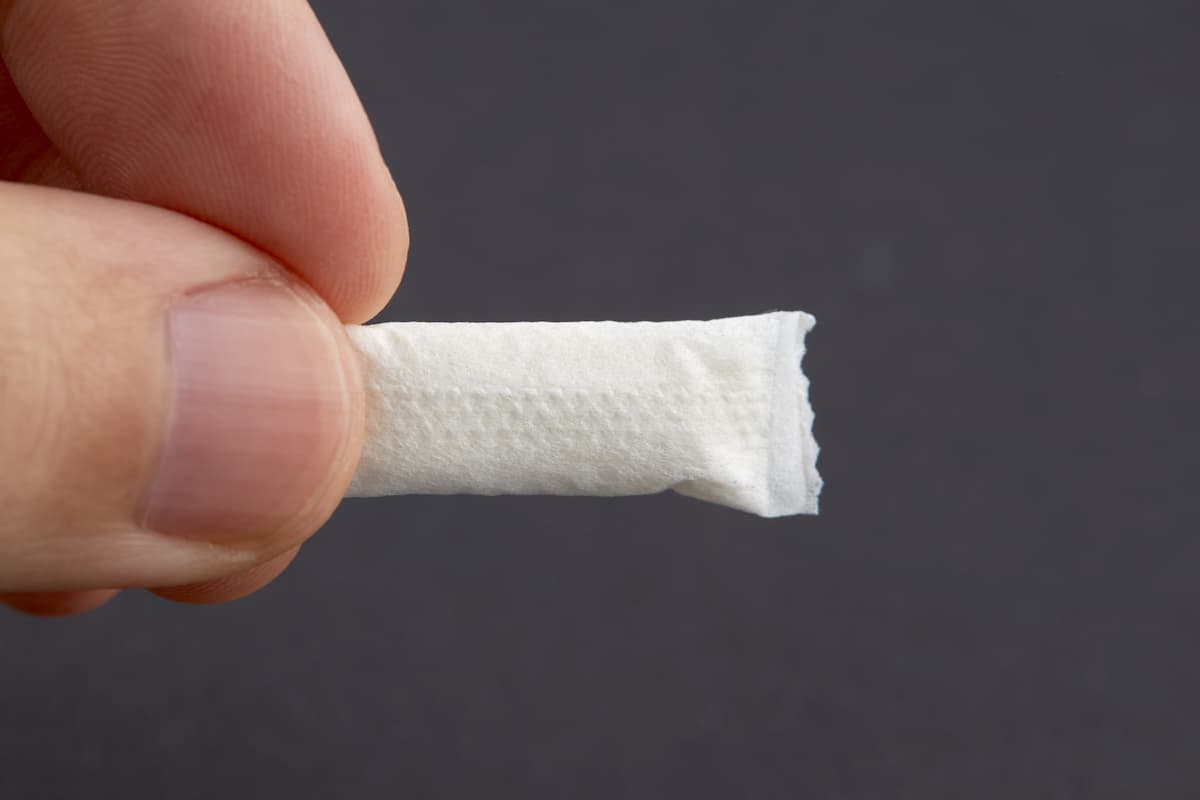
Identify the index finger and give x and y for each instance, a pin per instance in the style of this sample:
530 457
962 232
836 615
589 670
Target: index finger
235 112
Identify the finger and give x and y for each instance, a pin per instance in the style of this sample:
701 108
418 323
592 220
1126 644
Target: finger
26 154
57 604
232 587
238 114
174 406
22 142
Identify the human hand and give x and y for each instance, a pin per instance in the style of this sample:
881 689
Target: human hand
179 407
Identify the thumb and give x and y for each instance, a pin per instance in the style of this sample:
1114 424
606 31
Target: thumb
174 406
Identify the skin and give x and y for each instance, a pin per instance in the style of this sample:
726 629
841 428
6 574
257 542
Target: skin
198 141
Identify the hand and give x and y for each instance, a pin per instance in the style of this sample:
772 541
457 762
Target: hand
193 202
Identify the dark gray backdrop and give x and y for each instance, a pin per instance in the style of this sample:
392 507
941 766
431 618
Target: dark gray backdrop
992 210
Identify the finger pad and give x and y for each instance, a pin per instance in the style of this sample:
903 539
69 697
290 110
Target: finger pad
238 114
57 604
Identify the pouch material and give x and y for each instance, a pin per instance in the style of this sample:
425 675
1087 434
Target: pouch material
717 410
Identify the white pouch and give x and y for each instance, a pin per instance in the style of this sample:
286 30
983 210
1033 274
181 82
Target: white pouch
716 410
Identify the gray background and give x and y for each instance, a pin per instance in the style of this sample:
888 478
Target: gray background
992 210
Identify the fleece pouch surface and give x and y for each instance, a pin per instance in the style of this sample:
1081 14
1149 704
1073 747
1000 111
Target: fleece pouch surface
716 410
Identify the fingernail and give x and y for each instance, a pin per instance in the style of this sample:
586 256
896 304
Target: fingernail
258 412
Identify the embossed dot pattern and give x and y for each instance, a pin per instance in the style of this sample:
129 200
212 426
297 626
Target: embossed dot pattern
717 410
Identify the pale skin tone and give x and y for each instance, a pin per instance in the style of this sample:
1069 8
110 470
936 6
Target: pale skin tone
183 143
